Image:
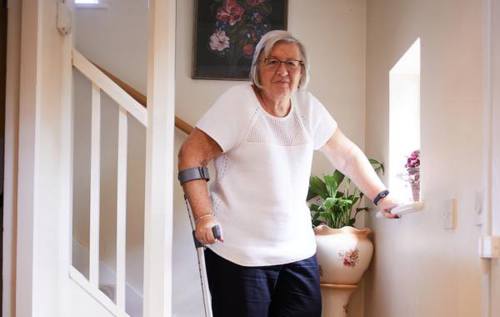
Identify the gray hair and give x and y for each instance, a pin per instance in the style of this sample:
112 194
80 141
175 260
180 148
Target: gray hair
264 48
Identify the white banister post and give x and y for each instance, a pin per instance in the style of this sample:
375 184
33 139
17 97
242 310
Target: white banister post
159 160
121 210
95 188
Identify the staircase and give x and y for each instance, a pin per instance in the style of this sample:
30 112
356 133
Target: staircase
87 269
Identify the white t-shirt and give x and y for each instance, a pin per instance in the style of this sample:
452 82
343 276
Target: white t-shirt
262 177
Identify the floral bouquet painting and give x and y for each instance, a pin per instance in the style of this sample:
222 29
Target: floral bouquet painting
227 32
413 168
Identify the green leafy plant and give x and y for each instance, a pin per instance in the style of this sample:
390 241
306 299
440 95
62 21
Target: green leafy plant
337 198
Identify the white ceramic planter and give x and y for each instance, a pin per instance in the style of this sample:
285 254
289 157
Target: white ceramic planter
343 256
335 298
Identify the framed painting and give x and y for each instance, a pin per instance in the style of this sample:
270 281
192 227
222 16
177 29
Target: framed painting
227 31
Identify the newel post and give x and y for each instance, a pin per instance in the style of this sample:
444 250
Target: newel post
159 160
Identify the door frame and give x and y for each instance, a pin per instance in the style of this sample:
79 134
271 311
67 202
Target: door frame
3 60
37 172
490 211
11 151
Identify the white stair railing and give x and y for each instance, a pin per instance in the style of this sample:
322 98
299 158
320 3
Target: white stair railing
127 106
116 93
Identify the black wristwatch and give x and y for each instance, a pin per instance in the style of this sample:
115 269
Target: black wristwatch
380 196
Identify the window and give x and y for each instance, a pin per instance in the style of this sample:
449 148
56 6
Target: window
404 124
91 3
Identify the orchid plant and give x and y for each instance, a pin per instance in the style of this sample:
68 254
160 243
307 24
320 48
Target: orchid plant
413 167
336 199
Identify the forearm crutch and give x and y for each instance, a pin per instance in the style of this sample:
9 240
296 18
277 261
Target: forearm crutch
185 176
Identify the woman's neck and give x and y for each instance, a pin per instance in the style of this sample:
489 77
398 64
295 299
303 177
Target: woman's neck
278 107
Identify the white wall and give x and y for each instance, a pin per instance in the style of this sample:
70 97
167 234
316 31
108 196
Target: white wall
117 38
421 269
334 34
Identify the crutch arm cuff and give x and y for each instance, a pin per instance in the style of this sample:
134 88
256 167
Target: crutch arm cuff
194 173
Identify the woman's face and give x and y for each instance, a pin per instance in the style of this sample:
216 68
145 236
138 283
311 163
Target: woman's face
280 72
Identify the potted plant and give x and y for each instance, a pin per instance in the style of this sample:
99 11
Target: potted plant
343 251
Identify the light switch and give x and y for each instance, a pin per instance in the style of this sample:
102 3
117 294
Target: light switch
489 247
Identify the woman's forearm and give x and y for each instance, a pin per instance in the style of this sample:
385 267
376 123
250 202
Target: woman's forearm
197 151
348 158
361 172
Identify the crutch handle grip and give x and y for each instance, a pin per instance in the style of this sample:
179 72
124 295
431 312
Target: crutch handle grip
217 235
217 232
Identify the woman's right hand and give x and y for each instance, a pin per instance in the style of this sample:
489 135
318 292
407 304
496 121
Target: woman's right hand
204 232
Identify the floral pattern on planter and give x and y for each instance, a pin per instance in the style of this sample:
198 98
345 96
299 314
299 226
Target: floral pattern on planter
350 258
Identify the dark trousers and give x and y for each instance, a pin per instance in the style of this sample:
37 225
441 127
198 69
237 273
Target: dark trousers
288 290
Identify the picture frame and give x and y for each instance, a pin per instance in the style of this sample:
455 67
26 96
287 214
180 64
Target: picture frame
226 33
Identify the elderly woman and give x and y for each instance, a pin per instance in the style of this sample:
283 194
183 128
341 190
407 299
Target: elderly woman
262 136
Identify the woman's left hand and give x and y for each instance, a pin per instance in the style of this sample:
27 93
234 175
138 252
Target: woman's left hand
386 205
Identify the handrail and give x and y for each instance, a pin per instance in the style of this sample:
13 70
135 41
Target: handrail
143 100
110 87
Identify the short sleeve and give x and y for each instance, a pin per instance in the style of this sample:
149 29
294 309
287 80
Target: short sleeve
229 117
323 125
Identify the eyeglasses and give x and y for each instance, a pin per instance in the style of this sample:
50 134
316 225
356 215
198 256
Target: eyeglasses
292 65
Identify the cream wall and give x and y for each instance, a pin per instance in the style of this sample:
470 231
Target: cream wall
421 269
116 39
